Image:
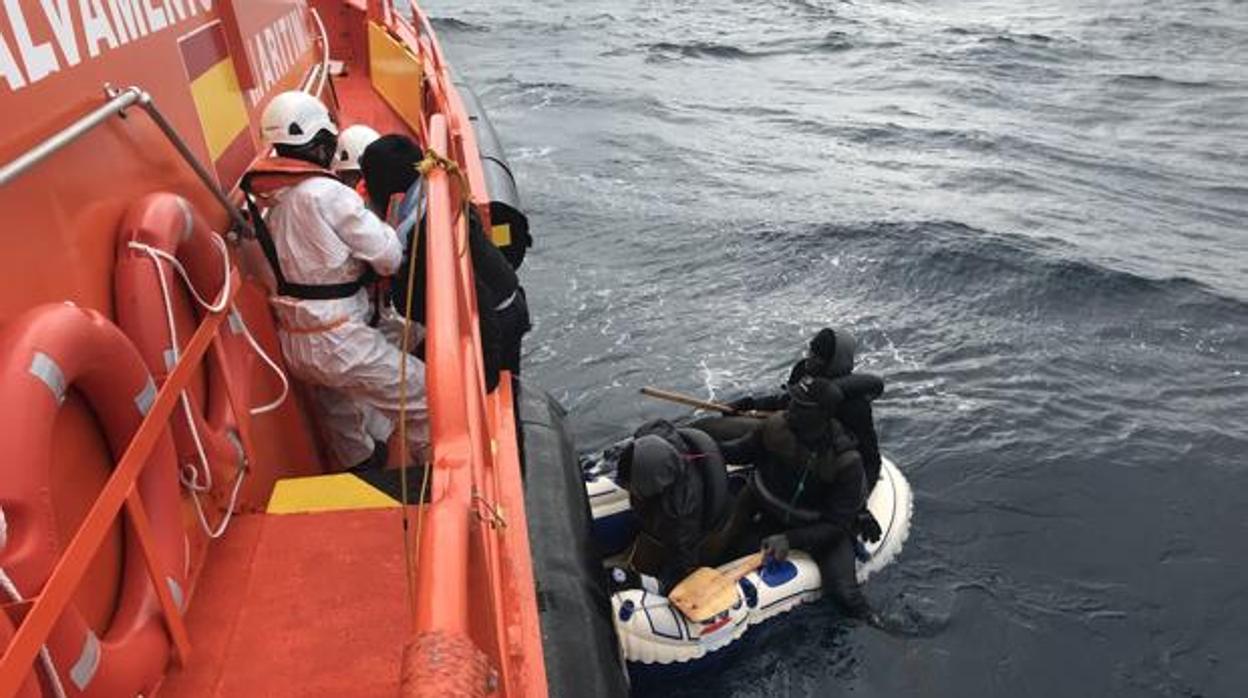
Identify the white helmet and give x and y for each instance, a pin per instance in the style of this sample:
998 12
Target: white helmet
351 144
294 118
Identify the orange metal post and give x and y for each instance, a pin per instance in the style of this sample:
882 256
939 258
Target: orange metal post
524 637
60 587
173 615
426 29
471 159
477 513
444 605
238 403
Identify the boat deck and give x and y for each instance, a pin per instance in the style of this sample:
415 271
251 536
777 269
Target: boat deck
304 604
307 604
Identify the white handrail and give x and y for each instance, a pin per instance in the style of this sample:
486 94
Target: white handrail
324 71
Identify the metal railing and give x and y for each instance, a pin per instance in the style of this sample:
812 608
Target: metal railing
118 102
319 73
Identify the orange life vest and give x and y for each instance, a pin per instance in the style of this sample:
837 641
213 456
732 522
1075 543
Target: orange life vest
262 182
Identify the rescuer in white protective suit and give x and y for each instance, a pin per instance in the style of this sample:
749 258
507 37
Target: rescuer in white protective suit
351 144
325 248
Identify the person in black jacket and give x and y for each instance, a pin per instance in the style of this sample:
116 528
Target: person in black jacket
831 356
809 489
389 165
678 488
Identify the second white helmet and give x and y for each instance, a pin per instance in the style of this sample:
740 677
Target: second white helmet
351 145
294 118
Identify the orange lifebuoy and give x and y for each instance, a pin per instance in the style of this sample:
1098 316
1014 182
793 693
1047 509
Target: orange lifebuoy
168 224
44 353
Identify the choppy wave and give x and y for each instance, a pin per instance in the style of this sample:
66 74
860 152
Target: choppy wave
1146 80
951 257
698 49
1032 218
832 42
452 25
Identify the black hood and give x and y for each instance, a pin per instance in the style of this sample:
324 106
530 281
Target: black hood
663 429
389 166
655 466
832 353
843 359
650 436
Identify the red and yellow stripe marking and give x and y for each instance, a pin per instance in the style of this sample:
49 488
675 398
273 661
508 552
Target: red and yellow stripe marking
219 101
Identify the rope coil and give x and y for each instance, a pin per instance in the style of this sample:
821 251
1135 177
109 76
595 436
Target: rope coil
433 160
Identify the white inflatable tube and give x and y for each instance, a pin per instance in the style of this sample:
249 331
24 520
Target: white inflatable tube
652 632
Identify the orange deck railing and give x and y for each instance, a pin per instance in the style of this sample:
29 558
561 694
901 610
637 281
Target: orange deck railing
475 578
481 585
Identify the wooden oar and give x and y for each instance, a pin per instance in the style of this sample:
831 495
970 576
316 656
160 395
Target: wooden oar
707 592
691 401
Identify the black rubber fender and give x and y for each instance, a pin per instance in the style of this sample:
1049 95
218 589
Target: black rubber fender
582 653
500 183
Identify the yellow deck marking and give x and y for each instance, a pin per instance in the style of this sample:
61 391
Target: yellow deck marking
326 493
219 101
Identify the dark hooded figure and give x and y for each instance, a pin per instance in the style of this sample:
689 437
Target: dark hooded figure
809 489
389 165
831 356
678 488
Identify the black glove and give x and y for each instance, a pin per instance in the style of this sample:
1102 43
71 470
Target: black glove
868 527
743 404
776 547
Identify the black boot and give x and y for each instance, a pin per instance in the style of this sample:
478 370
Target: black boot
377 461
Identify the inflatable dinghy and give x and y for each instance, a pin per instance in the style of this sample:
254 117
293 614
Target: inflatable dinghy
657 638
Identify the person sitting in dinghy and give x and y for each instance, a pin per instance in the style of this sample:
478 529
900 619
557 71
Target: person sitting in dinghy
809 490
390 167
678 487
831 356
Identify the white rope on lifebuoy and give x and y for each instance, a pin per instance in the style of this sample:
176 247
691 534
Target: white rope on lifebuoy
217 306
281 376
222 299
197 481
